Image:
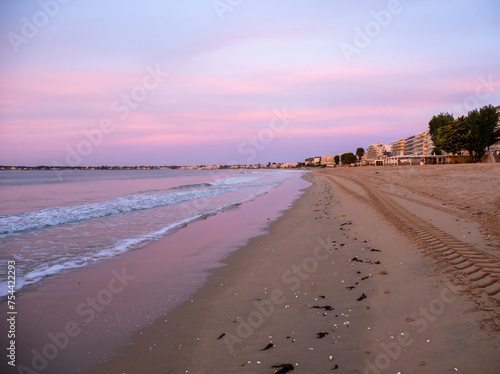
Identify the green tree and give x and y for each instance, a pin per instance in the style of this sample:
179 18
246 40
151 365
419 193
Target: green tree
490 116
437 152
360 152
336 159
454 137
441 120
348 158
481 124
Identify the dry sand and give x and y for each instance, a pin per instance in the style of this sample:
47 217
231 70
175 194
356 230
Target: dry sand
373 270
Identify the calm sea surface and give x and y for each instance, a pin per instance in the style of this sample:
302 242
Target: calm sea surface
51 222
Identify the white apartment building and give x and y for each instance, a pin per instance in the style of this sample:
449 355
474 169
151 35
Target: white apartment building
415 145
422 144
328 160
376 151
496 147
398 147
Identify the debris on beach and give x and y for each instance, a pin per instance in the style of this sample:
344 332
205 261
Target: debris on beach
326 307
221 336
375 250
284 368
269 346
383 272
363 296
321 335
355 259
365 277
350 287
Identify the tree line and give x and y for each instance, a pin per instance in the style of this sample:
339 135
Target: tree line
474 132
349 157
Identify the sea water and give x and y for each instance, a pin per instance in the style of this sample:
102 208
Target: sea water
52 223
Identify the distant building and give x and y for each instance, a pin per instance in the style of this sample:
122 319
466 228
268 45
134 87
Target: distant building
415 145
422 144
377 151
309 161
317 160
409 145
496 147
398 147
328 160
209 167
289 165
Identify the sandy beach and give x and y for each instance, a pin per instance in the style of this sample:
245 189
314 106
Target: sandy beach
372 270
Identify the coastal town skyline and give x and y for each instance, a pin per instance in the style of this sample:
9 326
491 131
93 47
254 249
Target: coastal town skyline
419 147
213 82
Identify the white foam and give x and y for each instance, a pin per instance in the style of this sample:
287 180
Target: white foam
47 269
236 180
65 214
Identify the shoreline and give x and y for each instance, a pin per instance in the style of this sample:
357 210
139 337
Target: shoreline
332 286
99 306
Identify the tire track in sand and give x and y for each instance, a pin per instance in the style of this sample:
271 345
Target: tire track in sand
487 217
479 270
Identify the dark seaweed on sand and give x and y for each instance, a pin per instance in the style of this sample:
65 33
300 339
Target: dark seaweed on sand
270 345
363 296
326 307
221 336
285 368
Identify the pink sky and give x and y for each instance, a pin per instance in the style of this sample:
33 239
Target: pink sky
221 78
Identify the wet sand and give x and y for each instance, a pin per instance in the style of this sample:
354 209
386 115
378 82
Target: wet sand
373 270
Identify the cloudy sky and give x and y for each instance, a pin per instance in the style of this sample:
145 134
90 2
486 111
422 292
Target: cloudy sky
122 82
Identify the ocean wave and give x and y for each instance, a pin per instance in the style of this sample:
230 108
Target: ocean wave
190 186
65 263
47 263
236 180
65 214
